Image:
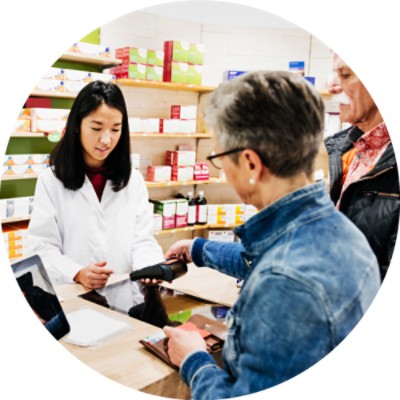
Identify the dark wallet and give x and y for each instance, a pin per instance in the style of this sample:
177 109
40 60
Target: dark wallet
213 332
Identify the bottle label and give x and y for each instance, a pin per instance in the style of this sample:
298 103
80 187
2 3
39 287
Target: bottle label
201 213
192 215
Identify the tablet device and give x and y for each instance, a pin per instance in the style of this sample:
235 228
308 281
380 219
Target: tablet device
153 304
38 290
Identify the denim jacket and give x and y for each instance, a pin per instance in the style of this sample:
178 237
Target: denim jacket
309 276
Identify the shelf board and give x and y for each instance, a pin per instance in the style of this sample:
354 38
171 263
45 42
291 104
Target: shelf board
28 135
58 95
15 219
165 85
90 59
193 228
155 135
18 177
183 183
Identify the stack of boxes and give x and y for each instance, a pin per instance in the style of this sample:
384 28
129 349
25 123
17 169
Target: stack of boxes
15 241
21 164
229 214
180 62
173 212
182 120
69 80
183 62
139 63
181 166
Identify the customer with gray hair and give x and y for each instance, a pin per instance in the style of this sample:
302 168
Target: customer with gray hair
309 274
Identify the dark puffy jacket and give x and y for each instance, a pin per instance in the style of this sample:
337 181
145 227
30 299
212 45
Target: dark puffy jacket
373 202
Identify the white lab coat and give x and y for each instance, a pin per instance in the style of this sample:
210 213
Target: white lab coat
72 229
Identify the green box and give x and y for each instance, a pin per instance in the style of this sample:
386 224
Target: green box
155 57
179 72
137 71
154 73
137 55
196 53
178 51
195 74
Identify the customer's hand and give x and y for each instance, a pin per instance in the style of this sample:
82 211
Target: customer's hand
181 343
94 276
180 249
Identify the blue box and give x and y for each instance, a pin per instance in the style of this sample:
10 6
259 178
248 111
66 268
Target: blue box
229 75
297 67
310 79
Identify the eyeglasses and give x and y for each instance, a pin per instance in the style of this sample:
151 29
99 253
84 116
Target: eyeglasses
214 157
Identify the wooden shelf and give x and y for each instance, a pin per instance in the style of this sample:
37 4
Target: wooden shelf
193 228
183 183
171 135
28 135
90 59
15 219
18 177
57 95
165 85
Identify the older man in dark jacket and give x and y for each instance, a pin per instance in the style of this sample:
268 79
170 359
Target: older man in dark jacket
363 170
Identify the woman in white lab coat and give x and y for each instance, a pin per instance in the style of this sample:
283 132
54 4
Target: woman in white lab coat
91 214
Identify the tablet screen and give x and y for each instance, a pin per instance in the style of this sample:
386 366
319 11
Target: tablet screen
38 291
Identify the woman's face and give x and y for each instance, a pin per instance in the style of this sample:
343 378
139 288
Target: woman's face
100 133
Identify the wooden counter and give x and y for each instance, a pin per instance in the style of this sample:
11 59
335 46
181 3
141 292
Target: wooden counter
122 358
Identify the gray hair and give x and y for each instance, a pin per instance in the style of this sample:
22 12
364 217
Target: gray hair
277 114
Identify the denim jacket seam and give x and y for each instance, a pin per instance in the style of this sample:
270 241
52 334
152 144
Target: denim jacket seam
289 229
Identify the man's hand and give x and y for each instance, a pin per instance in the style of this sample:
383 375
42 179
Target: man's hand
180 249
181 343
94 276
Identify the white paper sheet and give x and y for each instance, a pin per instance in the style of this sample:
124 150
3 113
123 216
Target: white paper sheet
90 327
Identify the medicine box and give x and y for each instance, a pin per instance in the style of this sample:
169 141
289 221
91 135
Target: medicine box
195 74
201 171
176 72
77 75
175 50
161 173
231 74
182 173
50 85
155 57
154 73
132 54
104 77
183 112
196 53
181 213
91 49
167 210
54 73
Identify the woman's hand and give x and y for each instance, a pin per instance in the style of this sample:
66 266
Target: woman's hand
181 343
180 249
94 276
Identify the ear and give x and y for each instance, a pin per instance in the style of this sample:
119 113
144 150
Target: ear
253 163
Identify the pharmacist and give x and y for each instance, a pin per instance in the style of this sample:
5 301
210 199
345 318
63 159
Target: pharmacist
91 216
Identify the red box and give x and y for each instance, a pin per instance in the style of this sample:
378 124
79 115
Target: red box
201 171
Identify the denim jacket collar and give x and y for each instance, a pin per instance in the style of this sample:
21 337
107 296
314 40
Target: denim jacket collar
261 231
